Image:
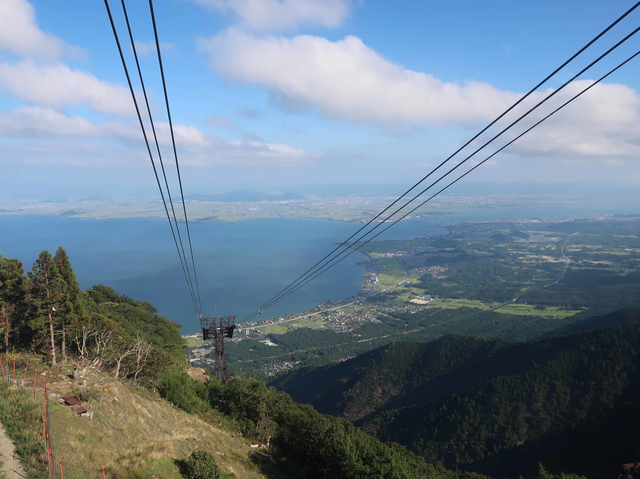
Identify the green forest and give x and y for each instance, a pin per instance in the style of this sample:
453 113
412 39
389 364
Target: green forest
493 406
48 317
45 312
464 389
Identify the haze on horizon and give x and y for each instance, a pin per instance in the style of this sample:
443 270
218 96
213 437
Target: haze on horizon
269 95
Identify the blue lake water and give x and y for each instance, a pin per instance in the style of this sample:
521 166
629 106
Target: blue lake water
240 265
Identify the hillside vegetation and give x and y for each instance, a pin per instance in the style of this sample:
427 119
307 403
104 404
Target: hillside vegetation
464 400
134 432
130 362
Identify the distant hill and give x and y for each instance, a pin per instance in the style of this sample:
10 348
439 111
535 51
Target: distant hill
492 406
245 196
71 213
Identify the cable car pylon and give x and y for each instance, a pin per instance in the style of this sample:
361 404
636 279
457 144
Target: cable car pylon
218 329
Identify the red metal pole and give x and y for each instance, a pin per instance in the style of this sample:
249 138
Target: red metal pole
53 474
49 458
104 472
14 370
61 473
44 395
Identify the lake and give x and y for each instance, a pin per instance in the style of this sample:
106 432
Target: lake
240 265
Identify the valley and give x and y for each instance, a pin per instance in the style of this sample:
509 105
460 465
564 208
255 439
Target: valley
515 280
199 278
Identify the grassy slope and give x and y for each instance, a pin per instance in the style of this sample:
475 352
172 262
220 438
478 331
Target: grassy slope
21 416
137 432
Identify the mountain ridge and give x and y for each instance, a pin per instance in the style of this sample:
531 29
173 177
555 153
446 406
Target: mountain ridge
463 400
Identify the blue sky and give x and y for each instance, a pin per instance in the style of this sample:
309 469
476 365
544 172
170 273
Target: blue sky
271 93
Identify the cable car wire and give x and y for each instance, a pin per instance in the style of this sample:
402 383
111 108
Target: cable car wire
175 151
153 129
353 250
597 37
146 140
316 267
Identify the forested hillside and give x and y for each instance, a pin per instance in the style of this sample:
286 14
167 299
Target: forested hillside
469 401
45 311
46 317
318 446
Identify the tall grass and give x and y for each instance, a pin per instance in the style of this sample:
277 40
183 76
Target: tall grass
22 420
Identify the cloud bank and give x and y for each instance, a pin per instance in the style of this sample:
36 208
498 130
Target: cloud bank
348 81
21 35
282 15
196 148
58 85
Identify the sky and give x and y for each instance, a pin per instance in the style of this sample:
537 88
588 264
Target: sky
266 94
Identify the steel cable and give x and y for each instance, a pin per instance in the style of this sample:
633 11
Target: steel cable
175 151
316 266
155 137
146 140
353 250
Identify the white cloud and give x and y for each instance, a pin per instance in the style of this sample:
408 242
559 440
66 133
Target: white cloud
346 80
58 85
250 113
604 124
21 34
125 142
248 153
219 121
349 81
146 49
38 122
281 15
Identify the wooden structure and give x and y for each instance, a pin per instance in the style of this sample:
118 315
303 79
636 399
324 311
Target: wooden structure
218 329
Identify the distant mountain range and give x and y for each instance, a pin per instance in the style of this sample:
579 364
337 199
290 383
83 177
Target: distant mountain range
570 401
245 196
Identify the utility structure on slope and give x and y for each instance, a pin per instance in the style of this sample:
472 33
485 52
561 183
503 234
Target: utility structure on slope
218 329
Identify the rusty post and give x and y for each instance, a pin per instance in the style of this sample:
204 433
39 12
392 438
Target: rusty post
49 458
104 472
14 370
44 417
26 368
44 395
53 474
61 473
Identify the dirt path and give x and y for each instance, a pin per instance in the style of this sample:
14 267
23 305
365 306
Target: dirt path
11 467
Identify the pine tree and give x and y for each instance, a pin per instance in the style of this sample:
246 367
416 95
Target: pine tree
12 292
71 309
45 294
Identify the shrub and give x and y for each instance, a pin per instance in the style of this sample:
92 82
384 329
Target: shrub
177 387
202 465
